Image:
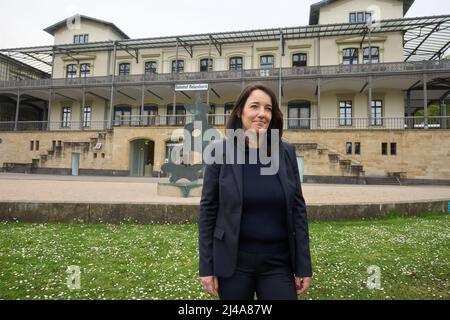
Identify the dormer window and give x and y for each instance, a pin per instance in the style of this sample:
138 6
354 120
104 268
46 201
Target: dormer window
81 38
358 17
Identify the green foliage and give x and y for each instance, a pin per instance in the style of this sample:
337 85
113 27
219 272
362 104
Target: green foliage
434 110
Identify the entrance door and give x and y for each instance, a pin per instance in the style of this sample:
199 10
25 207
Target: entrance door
75 163
299 115
141 158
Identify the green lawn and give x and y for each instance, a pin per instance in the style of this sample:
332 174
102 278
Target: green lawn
160 262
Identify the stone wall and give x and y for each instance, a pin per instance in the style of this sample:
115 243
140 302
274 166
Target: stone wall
421 154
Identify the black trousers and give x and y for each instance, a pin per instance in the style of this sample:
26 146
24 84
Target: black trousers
269 276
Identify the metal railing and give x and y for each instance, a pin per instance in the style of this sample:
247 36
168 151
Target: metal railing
53 125
219 120
249 74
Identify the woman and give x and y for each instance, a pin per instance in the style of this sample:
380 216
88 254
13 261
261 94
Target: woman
253 229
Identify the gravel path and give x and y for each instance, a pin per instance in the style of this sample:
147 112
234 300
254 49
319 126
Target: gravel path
45 188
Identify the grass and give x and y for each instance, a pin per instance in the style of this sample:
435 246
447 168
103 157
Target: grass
161 261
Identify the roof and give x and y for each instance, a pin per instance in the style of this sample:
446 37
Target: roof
425 38
63 23
28 66
315 9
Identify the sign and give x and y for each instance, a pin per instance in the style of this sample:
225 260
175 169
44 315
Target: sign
191 87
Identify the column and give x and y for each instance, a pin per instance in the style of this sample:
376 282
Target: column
318 102
83 104
49 108
444 120
113 79
369 116
142 121
17 110
425 101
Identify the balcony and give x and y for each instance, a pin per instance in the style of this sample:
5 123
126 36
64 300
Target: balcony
219 121
248 75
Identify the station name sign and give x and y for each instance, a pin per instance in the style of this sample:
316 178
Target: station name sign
191 87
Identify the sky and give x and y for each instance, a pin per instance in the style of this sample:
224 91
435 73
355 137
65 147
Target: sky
23 21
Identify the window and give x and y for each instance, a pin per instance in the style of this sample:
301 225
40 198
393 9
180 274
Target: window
384 147
87 117
180 115
350 56
299 60
180 66
85 70
150 67
66 115
122 115
149 116
228 108
266 62
299 115
31 145
81 38
356 17
377 113
345 113
204 66
375 55
349 147
236 63
211 114
393 149
358 148
71 71
124 69
95 156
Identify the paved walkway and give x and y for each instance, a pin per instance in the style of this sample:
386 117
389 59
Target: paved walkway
52 188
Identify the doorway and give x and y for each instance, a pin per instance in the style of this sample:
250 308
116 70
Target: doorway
142 155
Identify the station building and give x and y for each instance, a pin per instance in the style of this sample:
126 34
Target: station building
364 91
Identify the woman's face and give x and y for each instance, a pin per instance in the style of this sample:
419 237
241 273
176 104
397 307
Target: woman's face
257 112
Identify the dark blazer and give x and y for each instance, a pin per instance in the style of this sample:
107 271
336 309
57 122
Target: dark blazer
221 211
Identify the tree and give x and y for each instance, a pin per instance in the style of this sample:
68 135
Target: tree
434 110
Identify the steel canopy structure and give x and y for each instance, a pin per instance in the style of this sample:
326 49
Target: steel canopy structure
425 38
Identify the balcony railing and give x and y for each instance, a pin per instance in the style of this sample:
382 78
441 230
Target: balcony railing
219 120
252 74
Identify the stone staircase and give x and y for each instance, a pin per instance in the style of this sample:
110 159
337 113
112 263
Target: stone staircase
57 150
323 161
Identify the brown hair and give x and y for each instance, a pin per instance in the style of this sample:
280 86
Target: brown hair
235 120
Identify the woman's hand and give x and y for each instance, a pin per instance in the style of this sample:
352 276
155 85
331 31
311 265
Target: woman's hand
302 284
210 285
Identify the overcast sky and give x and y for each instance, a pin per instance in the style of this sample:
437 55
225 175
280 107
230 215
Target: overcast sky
23 20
